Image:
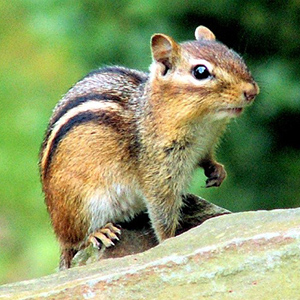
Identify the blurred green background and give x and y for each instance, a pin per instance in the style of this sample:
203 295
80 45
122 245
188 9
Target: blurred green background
47 45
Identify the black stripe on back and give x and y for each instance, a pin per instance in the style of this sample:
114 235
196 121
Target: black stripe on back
74 102
104 118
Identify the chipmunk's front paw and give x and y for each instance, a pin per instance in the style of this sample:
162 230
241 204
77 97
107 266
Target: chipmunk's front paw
105 236
216 174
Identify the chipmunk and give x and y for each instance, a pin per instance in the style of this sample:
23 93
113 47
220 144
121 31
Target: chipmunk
123 141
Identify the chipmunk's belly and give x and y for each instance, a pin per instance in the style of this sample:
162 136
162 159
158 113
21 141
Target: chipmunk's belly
115 204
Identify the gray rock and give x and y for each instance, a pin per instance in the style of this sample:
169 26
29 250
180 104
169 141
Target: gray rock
250 255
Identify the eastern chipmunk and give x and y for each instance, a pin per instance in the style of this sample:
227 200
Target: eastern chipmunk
123 141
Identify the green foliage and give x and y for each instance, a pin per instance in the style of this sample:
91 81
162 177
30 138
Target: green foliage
46 46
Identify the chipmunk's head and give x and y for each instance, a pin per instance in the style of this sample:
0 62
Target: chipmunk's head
201 77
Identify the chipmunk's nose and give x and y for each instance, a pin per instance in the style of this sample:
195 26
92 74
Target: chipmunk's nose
251 90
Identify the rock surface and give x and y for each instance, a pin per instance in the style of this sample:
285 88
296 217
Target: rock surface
250 255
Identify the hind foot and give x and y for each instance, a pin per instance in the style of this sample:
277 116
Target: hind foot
105 236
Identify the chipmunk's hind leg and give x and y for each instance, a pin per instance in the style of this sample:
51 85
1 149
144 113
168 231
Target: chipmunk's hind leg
105 236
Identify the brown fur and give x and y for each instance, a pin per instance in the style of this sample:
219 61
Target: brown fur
122 141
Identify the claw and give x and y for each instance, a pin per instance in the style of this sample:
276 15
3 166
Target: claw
214 181
105 236
113 228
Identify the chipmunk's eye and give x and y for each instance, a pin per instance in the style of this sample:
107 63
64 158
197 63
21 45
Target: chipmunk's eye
201 72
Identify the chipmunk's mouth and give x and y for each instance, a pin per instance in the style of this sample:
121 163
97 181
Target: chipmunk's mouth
235 111
230 112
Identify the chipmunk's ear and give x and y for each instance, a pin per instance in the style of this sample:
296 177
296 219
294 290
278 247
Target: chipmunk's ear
203 33
164 50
